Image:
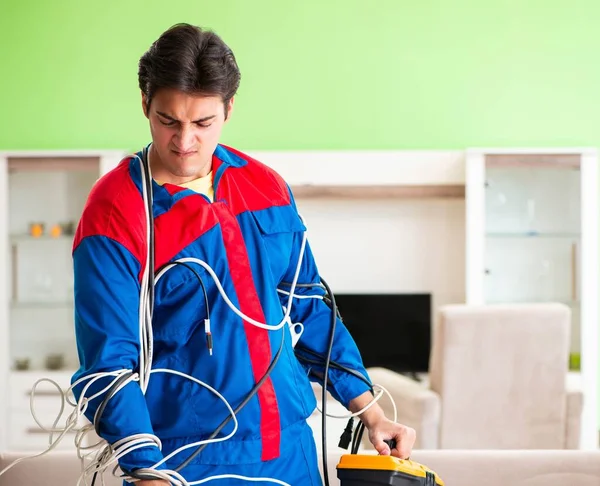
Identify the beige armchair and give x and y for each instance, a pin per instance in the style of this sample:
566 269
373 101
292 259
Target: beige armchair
498 380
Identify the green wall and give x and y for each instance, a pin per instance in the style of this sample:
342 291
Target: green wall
316 74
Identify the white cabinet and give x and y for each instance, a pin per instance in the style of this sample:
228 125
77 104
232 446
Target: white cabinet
42 195
532 236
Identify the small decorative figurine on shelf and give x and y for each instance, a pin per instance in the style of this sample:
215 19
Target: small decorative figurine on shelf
68 228
36 229
21 364
55 361
56 231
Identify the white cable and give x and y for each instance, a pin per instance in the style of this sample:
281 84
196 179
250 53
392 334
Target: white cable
146 339
111 454
376 398
236 476
129 444
297 296
355 414
104 454
173 477
60 413
71 421
391 400
146 349
360 412
231 305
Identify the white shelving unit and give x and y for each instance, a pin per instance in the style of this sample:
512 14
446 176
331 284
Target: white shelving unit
36 284
532 236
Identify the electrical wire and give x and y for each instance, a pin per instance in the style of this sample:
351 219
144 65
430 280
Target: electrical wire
146 330
326 379
198 277
111 453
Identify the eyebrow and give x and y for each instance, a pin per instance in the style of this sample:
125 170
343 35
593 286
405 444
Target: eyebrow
164 115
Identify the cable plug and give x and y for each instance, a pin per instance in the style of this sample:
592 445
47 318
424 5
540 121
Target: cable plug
209 340
391 443
346 437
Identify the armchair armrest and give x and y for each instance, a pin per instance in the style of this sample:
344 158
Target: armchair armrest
418 407
574 407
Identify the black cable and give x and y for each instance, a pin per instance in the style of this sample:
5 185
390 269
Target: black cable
358 433
334 315
326 299
358 437
151 279
361 426
239 407
112 391
332 363
195 272
325 380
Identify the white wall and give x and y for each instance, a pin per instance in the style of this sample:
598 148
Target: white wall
401 245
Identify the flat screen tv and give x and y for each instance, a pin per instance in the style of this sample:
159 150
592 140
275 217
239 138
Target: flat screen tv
391 330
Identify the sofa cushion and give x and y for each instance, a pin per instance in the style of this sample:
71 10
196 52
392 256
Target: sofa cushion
456 468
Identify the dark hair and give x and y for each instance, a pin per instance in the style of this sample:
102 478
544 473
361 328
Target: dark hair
192 60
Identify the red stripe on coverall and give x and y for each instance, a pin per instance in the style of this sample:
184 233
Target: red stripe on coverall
258 339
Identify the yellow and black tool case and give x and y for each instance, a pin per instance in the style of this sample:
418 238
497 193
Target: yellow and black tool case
372 470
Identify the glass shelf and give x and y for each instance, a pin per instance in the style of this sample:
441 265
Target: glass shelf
18 238
41 304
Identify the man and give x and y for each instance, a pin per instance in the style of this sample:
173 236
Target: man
217 205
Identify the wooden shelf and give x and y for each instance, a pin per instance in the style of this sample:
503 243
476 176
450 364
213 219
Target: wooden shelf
40 164
555 161
379 191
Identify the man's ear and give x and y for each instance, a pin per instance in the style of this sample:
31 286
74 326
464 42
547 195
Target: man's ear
229 109
145 105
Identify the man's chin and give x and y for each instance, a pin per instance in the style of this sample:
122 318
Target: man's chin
187 171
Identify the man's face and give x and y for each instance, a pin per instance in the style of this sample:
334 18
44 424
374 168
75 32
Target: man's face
185 132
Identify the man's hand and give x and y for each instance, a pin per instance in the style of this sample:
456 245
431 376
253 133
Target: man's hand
380 428
385 429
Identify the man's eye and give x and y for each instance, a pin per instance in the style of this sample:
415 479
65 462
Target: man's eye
204 125
167 124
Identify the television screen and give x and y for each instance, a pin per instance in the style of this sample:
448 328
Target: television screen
391 330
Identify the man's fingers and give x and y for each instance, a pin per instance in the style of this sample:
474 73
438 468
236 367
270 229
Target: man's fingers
391 438
380 446
405 441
